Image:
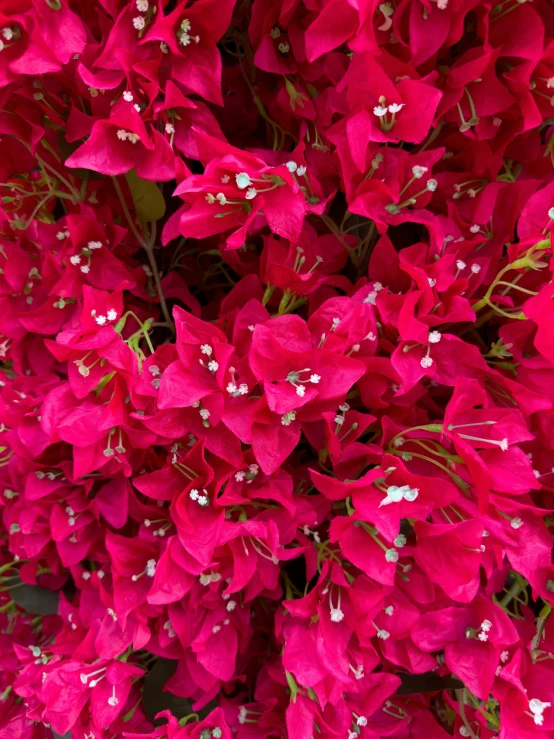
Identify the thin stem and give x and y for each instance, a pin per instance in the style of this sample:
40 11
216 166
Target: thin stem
148 246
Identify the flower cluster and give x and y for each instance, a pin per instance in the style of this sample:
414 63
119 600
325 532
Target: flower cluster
277 369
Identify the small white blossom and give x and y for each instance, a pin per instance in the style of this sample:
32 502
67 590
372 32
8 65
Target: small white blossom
475 228
288 418
486 625
206 349
435 337
169 128
128 96
75 259
291 166
122 135
426 362
142 6
396 107
300 391
251 193
379 111
112 315
336 615
139 23
432 185
391 555
7 33
475 268
301 171
100 320
314 379
516 523
418 171
461 265
213 366
243 180
85 269
204 414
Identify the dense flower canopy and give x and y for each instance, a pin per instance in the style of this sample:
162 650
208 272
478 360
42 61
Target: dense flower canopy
277 369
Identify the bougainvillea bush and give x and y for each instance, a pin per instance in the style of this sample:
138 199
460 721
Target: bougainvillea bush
277 369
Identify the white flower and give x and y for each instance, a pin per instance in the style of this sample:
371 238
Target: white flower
396 107
203 500
301 171
391 555
7 33
486 625
475 268
410 494
231 605
288 418
461 265
382 634
122 135
204 414
505 656
139 22
128 96
432 185
194 494
243 180
314 379
185 25
231 387
483 636
475 228
112 315
300 391
434 337
537 706
169 128
240 475
136 106
251 193
432 282
426 362
210 198
516 523
291 166
418 171
379 111
400 541
206 349
151 567
339 420
92 245
336 615
389 610
361 721
85 269
551 214
100 320
60 235
464 731
75 259
243 388
133 137
142 6
213 366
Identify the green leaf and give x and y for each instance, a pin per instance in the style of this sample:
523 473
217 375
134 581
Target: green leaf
149 202
35 599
